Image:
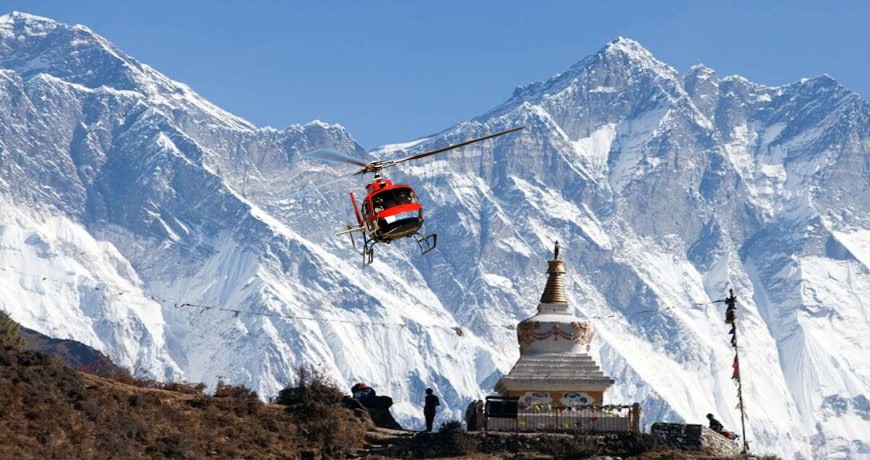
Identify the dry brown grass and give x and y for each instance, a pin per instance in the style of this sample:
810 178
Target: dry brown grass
47 410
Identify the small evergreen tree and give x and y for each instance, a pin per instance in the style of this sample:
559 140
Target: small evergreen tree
9 332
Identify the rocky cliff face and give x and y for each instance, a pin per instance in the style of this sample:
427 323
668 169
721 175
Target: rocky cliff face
127 199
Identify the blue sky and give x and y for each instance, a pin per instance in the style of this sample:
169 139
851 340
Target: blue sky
391 71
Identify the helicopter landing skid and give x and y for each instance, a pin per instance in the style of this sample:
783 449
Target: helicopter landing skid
426 243
368 252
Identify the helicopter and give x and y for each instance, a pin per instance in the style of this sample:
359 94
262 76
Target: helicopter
389 211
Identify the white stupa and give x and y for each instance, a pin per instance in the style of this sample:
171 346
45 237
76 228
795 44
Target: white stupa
554 368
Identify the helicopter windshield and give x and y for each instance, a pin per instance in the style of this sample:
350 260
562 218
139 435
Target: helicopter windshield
393 197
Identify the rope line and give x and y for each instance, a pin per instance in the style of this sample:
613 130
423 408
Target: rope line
459 330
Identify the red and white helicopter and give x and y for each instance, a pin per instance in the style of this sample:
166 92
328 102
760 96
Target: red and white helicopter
389 211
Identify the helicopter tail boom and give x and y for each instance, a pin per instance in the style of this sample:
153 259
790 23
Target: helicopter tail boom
359 218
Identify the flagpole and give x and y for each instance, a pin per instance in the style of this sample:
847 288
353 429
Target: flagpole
731 318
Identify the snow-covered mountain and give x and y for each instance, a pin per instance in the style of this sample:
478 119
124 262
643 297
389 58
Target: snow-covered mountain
126 198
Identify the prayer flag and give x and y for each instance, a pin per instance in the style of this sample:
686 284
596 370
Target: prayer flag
736 366
730 315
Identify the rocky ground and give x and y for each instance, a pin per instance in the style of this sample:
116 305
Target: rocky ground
382 443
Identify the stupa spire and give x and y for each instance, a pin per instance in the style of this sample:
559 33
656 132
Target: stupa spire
554 292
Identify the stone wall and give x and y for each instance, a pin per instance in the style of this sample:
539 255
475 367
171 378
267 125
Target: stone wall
696 438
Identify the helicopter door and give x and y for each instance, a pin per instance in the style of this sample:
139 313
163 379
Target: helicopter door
368 216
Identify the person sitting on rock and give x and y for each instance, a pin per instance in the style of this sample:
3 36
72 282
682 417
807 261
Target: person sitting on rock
716 426
364 394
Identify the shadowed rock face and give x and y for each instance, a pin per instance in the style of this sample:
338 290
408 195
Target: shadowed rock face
74 354
378 409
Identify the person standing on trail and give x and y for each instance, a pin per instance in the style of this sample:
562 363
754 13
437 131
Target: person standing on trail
429 409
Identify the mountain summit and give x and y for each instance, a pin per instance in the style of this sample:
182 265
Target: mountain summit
142 220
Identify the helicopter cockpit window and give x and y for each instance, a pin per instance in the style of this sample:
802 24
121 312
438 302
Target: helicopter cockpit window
405 196
379 203
395 197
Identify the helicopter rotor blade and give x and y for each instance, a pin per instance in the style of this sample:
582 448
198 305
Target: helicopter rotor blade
451 147
314 187
333 156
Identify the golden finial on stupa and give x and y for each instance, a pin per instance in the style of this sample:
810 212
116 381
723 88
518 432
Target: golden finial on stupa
554 292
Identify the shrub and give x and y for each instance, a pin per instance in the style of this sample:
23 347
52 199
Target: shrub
167 447
450 426
9 332
225 390
312 387
185 387
315 404
237 398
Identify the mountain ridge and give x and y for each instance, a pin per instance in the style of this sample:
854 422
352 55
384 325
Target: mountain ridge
662 198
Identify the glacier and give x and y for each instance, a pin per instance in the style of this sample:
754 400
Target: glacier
143 220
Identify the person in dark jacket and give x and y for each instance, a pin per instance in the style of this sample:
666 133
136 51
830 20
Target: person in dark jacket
715 425
429 409
364 394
